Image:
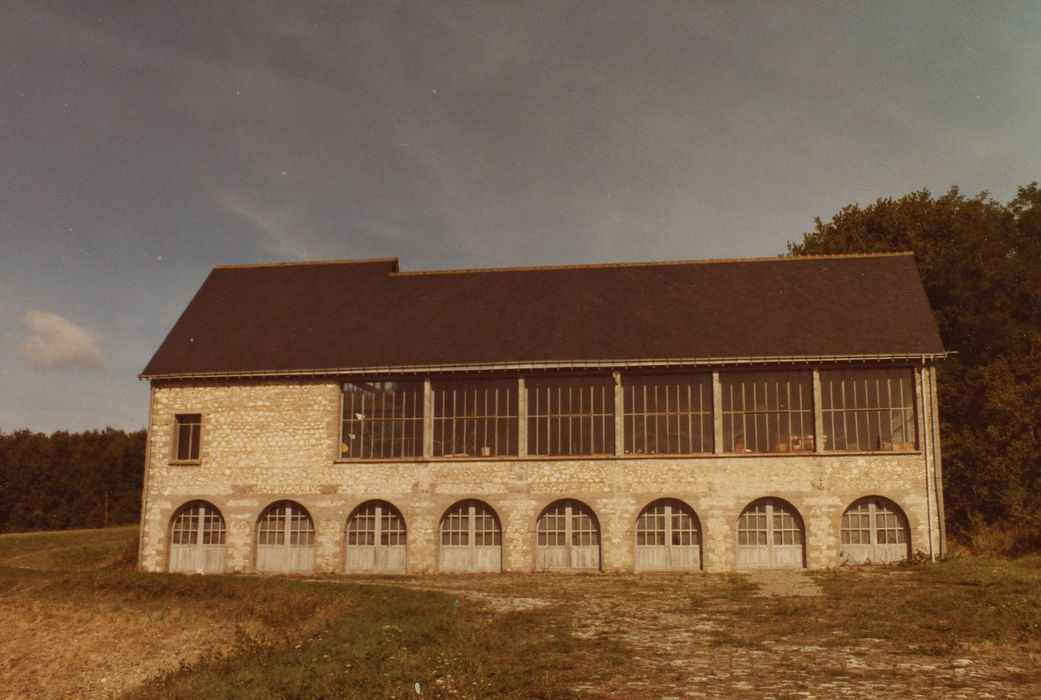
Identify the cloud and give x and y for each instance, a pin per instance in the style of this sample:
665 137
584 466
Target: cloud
54 342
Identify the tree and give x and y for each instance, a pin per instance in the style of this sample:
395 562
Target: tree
980 263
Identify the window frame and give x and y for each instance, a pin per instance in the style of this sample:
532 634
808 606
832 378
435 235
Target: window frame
544 423
805 413
417 419
830 413
487 422
175 447
702 419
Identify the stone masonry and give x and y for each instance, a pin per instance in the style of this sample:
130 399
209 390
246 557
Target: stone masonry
267 440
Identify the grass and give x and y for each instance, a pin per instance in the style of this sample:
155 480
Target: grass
73 600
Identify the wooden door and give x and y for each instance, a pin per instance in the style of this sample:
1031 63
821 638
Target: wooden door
285 539
568 538
770 535
376 539
668 537
874 530
197 539
471 538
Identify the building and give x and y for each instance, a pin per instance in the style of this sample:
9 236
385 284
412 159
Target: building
347 416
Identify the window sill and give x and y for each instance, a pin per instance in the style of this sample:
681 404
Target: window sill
185 462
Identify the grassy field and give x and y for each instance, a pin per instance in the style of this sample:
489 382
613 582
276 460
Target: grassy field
81 622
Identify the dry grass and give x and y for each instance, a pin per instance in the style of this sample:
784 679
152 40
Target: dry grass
965 628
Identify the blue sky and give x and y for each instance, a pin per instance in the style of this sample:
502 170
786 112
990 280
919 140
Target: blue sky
143 143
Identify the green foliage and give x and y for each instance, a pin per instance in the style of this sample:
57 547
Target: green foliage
980 261
60 481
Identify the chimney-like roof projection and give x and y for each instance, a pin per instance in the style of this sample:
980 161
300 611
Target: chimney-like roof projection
367 316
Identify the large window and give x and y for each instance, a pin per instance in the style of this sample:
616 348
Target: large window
668 414
475 418
187 435
382 419
571 416
868 409
767 411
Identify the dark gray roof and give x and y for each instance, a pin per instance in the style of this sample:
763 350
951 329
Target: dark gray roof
335 316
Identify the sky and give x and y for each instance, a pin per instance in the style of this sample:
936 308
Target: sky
143 143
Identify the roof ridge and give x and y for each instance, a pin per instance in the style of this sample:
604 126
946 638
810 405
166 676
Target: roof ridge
294 263
650 263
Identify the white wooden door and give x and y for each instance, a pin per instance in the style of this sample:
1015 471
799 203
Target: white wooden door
568 538
376 539
471 539
285 539
874 530
197 539
668 538
770 535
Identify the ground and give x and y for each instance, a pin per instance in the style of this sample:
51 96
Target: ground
81 623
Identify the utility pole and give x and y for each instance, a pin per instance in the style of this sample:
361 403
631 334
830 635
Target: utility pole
106 509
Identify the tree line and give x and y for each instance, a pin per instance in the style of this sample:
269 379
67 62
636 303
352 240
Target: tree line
980 261
70 480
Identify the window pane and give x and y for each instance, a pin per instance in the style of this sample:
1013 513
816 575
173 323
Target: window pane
767 411
476 418
668 414
188 429
382 419
868 409
571 416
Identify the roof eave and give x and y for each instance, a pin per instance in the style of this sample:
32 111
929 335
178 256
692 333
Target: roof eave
478 367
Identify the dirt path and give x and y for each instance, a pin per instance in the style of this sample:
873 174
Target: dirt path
678 630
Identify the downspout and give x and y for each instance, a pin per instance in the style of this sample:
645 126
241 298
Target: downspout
926 438
937 462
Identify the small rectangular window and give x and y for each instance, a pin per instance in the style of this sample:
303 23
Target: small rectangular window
188 431
571 416
668 414
868 410
767 411
382 419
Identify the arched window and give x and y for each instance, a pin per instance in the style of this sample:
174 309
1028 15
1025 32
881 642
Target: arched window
668 537
874 529
285 538
471 538
568 538
376 538
197 539
770 535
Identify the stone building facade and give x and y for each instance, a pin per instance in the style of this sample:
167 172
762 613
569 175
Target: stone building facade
454 446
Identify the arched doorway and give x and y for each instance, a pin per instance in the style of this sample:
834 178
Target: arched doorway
668 537
471 538
874 529
376 538
770 534
568 538
285 539
197 539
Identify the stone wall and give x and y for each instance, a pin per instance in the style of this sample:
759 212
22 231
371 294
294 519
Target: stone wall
265 441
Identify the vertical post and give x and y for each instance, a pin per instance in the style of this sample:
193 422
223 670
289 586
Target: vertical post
428 419
717 414
522 418
619 418
818 413
925 439
934 411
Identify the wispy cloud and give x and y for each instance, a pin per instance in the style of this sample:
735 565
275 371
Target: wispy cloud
54 342
276 234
